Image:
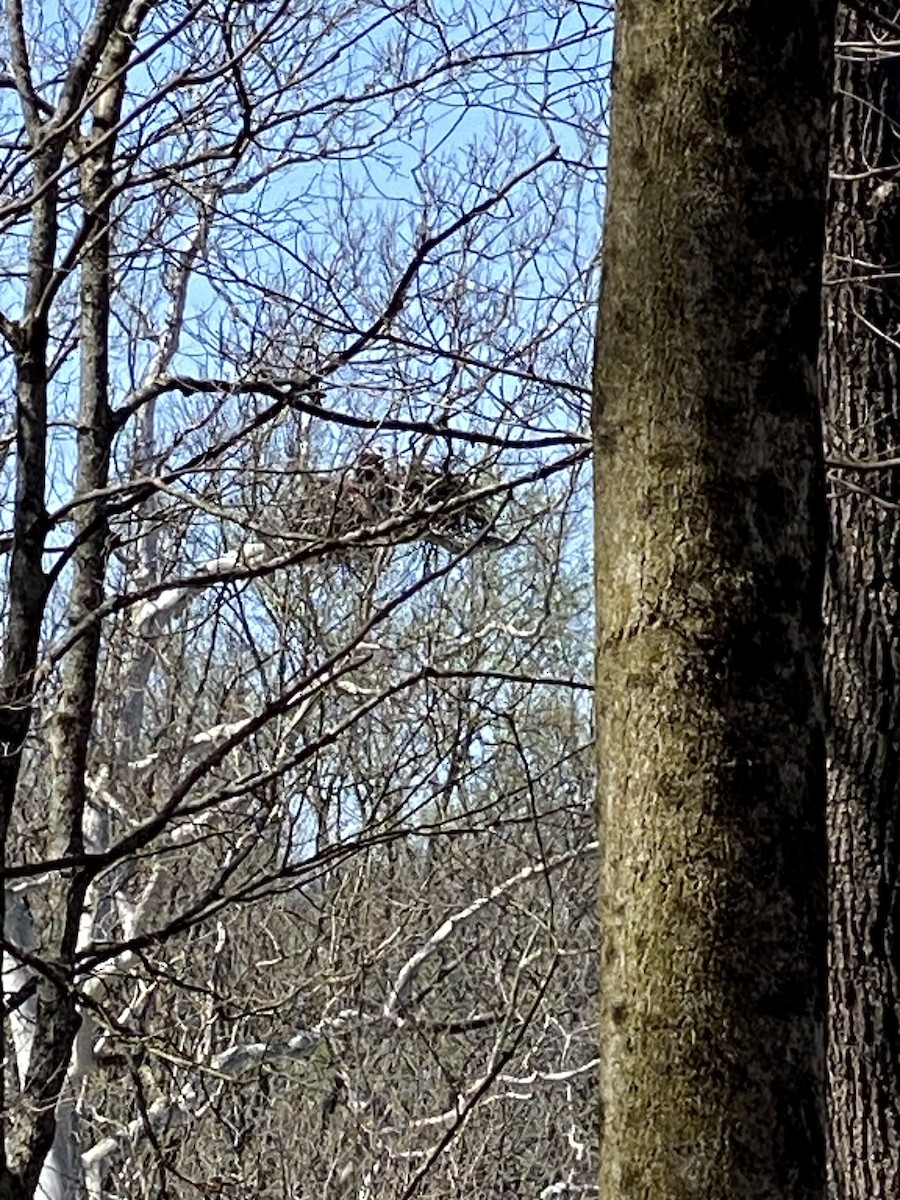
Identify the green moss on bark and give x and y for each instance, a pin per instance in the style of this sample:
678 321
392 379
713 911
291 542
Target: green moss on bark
709 561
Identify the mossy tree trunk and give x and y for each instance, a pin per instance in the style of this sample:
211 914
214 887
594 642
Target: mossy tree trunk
861 375
710 546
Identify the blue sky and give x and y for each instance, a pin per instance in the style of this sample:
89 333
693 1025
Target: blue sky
326 208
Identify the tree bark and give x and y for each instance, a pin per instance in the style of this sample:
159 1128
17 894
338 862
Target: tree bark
709 559
28 1130
859 368
27 584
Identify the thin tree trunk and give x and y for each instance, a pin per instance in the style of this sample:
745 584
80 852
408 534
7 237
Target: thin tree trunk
24 1138
710 542
29 1128
860 372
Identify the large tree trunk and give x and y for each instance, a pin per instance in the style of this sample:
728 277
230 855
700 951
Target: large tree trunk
710 542
860 388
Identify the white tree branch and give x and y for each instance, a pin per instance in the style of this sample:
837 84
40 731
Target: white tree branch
413 964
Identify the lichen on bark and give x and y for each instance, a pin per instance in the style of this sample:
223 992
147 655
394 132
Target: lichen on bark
709 546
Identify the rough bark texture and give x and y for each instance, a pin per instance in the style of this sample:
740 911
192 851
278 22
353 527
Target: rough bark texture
860 371
710 541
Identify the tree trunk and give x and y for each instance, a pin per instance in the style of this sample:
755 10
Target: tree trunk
710 545
859 364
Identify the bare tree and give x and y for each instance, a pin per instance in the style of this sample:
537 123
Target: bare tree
710 507
296 815
859 367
